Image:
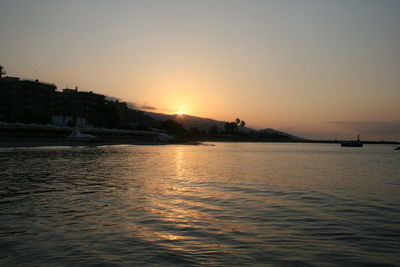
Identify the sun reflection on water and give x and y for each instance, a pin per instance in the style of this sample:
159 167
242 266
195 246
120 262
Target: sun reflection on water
229 204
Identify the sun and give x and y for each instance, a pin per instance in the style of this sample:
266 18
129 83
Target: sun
180 113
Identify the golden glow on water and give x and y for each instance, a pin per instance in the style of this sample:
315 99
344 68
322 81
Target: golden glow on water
224 204
179 162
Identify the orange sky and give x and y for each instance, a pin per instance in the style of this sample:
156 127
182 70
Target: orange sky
319 69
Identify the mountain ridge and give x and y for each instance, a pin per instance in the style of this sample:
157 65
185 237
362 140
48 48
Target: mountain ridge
189 121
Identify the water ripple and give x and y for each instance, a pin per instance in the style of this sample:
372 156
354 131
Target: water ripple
187 205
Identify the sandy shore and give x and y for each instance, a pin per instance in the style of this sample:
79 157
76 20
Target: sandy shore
44 142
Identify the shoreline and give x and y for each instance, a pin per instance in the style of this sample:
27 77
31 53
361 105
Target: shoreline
54 142
21 142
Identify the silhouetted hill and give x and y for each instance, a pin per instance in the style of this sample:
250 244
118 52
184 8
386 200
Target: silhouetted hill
188 121
269 131
205 124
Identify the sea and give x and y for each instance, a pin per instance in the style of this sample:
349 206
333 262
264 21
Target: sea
218 204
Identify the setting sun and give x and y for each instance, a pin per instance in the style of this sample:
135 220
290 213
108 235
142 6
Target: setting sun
200 132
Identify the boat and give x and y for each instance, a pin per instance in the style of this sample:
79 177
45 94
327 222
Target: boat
76 135
357 143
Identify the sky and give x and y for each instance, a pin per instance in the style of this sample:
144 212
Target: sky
321 69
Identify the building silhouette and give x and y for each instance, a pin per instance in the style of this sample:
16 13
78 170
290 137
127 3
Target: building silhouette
75 107
31 101
25 101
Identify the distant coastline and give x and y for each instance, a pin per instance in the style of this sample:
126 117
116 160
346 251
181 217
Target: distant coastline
31 109
22 142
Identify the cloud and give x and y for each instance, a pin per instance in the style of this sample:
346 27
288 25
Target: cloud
131 105
147 107
134 105
371 127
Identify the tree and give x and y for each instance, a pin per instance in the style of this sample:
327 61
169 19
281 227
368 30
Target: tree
173 127
230 127
194 131
109 116
213 130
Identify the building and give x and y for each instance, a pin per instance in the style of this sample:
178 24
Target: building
29 101
73 107
25 101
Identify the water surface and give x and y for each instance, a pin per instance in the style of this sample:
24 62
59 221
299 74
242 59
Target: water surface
228 204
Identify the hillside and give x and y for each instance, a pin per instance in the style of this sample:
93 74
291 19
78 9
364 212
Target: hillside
188 121
205 124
